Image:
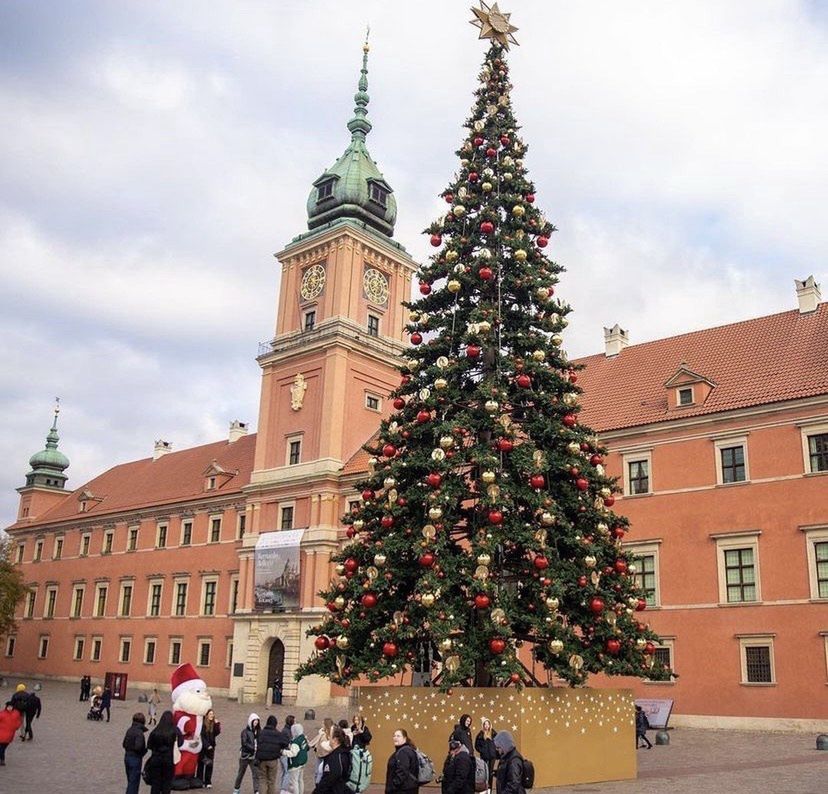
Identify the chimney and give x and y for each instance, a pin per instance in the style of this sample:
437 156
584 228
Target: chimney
237 430
615 340
808 295
161 448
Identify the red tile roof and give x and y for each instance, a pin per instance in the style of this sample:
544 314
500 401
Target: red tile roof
755 362
174 477
358 462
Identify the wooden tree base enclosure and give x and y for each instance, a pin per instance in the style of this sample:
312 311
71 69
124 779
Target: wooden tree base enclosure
571 735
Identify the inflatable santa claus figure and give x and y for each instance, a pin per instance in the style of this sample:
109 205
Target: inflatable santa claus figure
191 701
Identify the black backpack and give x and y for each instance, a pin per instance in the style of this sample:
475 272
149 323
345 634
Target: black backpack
527 778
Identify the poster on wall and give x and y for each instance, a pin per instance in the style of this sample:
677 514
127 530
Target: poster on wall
276 583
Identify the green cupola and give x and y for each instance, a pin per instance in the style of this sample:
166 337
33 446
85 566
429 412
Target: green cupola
49 464
353 187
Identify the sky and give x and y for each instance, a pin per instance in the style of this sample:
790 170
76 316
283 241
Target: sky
155 154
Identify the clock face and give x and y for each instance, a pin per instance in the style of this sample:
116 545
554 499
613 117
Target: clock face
313 282
375 285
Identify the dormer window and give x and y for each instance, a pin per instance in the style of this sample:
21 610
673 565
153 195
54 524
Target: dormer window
687 388
324 190
211 483
379 194
685 396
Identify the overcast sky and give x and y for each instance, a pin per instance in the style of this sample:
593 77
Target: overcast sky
154 155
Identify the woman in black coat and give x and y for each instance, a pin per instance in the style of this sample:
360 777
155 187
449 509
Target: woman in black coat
336 765
159 769
462 733
403 771
485 746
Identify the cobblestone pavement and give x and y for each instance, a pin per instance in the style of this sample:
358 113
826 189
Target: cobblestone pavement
72 754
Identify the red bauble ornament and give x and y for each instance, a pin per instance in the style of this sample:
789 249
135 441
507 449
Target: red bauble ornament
389 450
436 240
390 649
491 152
497 645
387 522
541 562
472 351
609 501
405 379
530 197
523 380
350 532
495 517
322 643
399 403
330 605
537 481
487 227
570 420
482 601
641 605
473 177
367 495
478 140
596 460
369 600
434 479
620 566
613 647
573 377
425 288
542 241
581 484
449 197
514 678
596 605
649 649
582 581
485 273
505 445
351 565
618 532
426 560
423 417
416 338
504 140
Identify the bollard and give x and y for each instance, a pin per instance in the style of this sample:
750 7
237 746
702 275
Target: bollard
822 741
662 737
37 687
142 698
310 714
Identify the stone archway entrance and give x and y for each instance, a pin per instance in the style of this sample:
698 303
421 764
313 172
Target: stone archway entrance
276 665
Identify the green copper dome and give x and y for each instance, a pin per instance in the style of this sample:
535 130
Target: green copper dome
353 187
49 464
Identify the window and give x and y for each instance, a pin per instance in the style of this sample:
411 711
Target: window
373 325
738 562
354 505
51 599
31 597
97 649
11 641
58 550
379 194
215 530
149 650
733 464
186 533
126 600
126 648
228 659
294 452
241 526
155 599
757 659
372 402
209 597
646 572
204 653
324 190
77 653
84 548
234 594
663 654
43 647
107 544
817 552
637 468
310 320
180 599
818 452
175 652
161 537
685 395
38 551
77 601
21 550
100 600
132 541
286 521
211 483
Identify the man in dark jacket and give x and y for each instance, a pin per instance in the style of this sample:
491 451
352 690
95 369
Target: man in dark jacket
19 701
33 707
106 701
269 750
510 765
135 748
458 776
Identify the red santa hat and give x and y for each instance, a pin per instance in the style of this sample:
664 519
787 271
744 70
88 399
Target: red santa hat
185 679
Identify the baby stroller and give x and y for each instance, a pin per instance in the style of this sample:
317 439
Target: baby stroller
95 710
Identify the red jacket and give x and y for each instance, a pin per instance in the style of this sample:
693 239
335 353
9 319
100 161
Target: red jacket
10 721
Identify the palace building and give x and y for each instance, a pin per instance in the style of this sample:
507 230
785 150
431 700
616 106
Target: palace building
215 554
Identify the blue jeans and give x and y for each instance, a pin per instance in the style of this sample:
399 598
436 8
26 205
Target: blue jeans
132 765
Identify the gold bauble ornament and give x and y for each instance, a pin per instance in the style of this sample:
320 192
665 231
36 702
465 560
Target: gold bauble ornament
508 176
552 603
479 125
459 211
488 477
538 355
427 599
484 326
520 255
491 406
483 559
570 398
414 317
507 161
451 256
481 572
339 602
498 616
358 525
547 518
435 513
446 442
380 560
442 362
576 662
556 340
438 454
371 572
556 646
429 532
573 447
389 482
486 187
440 383
446 644
342 642
541 293
453 286
590 561
340 569
631 569
605 492
518 211
452 663
641 643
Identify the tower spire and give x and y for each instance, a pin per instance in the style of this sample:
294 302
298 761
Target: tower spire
359 125
49 465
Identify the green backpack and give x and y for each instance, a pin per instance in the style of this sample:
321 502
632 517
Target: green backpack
301 758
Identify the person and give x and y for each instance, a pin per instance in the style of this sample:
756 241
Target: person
642 725
347 731
462 733
458 772
160 766
153 702
509 765
10 720
247 754
268 752
360 732
19 701
135 748
403 770
321 744
287 733
84 690
106 701
33 708
484 744
296 754
210 730
336 765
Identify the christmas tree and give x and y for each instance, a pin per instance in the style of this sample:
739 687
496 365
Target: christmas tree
485 523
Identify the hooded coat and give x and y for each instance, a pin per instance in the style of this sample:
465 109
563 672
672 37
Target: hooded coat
10 720
510 767
458 776
463 735
249 737
271 741
486 747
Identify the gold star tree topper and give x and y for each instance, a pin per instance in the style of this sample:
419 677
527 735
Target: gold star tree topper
494 24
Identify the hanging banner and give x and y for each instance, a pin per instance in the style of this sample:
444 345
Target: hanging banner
276 558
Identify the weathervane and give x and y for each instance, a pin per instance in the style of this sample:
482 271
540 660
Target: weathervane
494 24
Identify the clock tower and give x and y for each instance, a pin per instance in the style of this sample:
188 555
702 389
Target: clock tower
326 376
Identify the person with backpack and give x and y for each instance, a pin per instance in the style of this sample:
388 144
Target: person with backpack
458 773
509 765
33 708
268 752
135 748
403 771
484 744
642 725
462 733
296 754
362 762
336 765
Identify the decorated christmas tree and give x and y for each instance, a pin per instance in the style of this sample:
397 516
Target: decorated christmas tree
485 540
